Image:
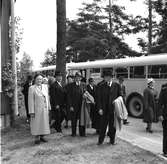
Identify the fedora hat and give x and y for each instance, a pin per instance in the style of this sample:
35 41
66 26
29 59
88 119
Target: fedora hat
121 78
78 74
107 73
58 73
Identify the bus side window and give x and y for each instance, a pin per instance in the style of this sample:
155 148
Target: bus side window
121 72
137 72
157 71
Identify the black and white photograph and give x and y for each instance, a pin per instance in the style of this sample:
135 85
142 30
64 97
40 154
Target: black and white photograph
83 82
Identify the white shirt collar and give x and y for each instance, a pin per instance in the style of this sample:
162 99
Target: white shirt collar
78 82
91 86
59 83
110 83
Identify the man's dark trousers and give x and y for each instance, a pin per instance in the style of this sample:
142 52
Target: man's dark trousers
74 119
107 120
164 125
59 118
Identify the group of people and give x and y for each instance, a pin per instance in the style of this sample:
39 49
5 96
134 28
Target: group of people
47 105
97 106
155 109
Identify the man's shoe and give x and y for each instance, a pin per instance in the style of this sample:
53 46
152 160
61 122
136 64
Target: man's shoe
99 143
112 142
43 140
165 155
73 135
126 122
150 131
59 131
66 126
37 142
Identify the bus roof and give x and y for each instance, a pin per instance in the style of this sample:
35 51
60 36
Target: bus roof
123 62
106 63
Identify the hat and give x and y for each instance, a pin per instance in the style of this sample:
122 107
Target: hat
29 77
70 76
58 73
107 73
121 78
90 80
150 80
78 74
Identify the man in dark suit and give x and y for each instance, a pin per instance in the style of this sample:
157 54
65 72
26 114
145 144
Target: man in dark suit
26 86
108 92
163 115
74 101
91 89
57 100
70 80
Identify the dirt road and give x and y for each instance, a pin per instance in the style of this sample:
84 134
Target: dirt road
18 148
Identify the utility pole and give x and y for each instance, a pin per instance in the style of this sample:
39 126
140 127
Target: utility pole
150 27
110 20
110 30
0 53
15 97
61 38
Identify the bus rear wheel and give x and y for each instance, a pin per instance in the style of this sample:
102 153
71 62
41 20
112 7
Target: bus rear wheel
135 106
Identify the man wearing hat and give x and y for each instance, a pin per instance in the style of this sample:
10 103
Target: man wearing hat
163 116
108 92
57 100
70 80
25 91
149 104
74 101
91 88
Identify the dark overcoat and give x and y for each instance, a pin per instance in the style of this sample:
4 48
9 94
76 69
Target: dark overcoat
106 96
74 97
57 95
149 105
163 102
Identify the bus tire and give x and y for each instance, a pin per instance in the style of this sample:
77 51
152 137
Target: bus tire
136 106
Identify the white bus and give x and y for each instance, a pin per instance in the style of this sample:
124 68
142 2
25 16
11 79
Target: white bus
135 71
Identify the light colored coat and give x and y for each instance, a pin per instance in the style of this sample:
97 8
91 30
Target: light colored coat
120 112
38 102
85 109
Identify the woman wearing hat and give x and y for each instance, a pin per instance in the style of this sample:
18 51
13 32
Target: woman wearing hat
149 104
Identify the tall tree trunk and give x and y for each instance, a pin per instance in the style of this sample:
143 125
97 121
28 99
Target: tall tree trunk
61 37
150 27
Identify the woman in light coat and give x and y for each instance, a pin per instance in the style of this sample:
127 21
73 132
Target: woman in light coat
39 106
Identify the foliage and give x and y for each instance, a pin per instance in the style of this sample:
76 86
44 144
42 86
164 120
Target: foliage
25 67
89 37
18 33
50 58
8 77
159 29
160 45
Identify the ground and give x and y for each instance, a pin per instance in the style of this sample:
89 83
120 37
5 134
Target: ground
18 148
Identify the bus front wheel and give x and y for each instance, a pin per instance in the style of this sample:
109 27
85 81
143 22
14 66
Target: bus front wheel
135 106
